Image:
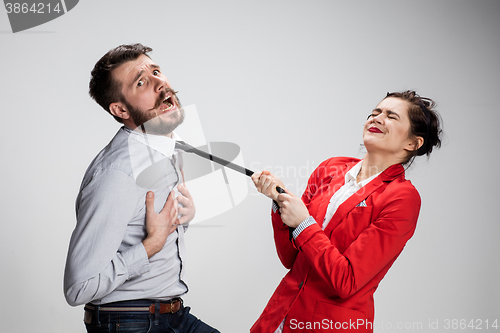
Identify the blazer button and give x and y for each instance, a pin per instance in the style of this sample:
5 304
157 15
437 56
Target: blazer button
301 284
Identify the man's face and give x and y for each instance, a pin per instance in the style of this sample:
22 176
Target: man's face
148 97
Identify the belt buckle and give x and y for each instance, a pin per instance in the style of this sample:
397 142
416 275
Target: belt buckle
172 302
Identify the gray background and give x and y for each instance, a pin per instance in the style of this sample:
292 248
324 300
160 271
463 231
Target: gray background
291 82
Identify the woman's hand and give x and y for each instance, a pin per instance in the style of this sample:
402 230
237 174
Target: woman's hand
292 209
266 183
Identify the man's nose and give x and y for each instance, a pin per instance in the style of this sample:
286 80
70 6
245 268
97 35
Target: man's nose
160 83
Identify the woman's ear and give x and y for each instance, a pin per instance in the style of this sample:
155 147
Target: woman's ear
419 141
415 144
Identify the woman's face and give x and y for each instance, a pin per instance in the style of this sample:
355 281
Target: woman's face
387 129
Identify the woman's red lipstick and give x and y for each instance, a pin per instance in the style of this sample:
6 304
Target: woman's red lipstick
374 130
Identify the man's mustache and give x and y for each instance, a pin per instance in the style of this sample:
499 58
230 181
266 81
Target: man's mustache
162 96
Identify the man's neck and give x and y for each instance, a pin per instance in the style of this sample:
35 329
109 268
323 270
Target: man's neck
141 129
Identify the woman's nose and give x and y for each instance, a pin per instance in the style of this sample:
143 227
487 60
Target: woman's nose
378 118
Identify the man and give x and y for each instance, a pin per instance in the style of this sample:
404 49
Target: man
125 260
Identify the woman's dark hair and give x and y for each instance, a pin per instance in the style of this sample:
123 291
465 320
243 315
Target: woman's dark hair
424 122
103 88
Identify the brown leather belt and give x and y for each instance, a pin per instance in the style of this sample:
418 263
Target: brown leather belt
171 307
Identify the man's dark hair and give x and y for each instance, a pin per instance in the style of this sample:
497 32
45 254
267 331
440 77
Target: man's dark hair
103 88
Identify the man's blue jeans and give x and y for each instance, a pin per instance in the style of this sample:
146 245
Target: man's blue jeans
179 322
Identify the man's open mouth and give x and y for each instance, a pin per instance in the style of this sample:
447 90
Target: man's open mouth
167 104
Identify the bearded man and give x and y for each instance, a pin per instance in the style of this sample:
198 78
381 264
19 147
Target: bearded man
126 255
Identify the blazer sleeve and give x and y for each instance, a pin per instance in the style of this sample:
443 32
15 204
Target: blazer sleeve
376 247
286 250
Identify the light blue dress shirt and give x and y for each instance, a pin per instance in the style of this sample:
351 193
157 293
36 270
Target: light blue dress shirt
107 261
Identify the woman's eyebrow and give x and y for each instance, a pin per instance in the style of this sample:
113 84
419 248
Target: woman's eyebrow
389 112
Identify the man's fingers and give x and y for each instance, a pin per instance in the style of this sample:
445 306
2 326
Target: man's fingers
169 202
150 203
187 203
173 228
184 201
174 210
184 191
183 219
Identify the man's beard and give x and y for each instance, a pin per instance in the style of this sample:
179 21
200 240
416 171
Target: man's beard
154 124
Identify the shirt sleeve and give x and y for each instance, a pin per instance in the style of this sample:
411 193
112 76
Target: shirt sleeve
95 264
304 224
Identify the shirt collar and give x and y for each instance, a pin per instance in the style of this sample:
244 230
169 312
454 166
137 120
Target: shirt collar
353 173
160 143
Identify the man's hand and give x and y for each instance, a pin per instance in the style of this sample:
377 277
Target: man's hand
266 183
188 209
292 209
159 226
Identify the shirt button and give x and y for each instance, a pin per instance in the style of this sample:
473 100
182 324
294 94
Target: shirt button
300 285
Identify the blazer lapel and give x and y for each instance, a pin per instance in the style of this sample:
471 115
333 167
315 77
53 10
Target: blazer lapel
336 182
382 180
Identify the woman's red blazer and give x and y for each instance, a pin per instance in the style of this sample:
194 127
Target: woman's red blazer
334 272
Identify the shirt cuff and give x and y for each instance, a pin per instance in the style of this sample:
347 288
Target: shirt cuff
304 224
275 207
136 260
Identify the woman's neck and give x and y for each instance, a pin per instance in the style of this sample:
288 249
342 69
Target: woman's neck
373 164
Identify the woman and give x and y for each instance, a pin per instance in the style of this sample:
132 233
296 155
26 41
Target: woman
352 222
